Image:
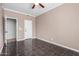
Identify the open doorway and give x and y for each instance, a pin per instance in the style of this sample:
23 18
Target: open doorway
10 32
10 29
27 29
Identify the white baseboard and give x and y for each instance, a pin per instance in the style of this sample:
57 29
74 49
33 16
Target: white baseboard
18 12
24 39
21 40
60 45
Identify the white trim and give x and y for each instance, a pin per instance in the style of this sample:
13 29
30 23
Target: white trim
49 9
16 25
19 12
76 50
1 49
20 40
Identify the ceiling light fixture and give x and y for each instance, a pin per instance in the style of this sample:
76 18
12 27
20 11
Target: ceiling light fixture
35 4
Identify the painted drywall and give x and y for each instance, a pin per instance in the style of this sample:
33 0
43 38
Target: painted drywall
20 18
60 25
1 29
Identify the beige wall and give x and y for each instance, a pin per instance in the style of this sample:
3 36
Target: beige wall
1 29
60 25
21 19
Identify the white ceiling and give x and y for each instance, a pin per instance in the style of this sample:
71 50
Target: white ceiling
27 7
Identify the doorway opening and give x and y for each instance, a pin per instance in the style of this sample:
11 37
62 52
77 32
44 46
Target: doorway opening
10 33
27 29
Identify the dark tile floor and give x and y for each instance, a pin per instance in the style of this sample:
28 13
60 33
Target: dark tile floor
36 47
41 48
9 49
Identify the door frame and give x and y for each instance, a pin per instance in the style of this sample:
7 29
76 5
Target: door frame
5 20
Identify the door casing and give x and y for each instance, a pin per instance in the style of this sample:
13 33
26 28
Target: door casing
16 26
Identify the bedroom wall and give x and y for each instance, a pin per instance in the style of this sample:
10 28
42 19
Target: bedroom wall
1 29
60 25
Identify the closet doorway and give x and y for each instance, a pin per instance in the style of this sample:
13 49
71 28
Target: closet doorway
11 31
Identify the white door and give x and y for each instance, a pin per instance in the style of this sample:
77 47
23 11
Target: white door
10 28
27 29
